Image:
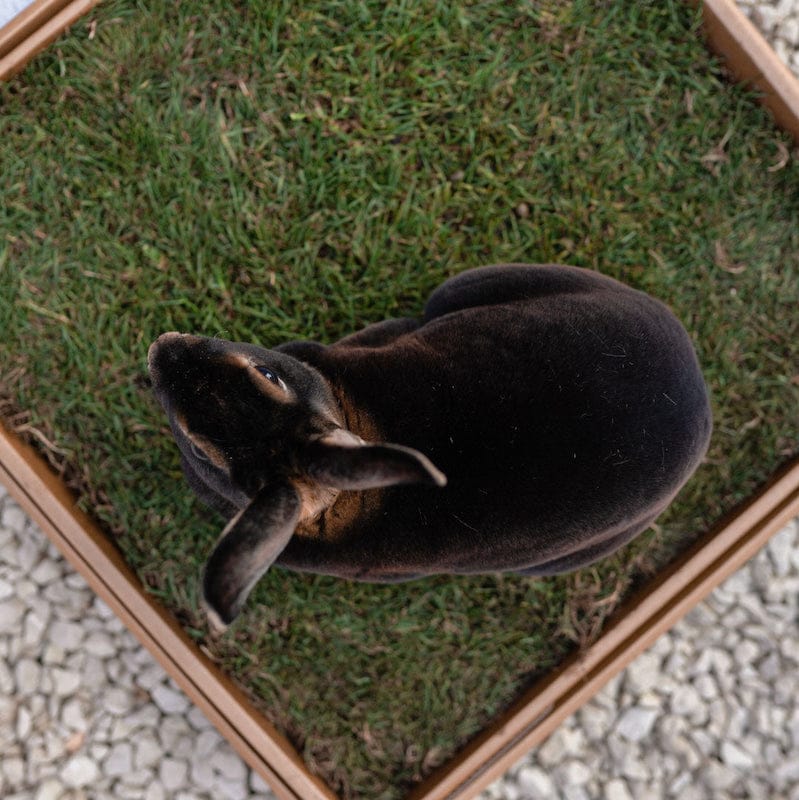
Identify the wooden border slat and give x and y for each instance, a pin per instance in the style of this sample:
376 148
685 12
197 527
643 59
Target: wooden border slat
24 24
40 493
635 627
34 28
752 60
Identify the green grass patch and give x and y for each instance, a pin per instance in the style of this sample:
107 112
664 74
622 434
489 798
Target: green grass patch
269 171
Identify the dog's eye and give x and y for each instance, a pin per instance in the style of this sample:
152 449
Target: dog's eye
270 375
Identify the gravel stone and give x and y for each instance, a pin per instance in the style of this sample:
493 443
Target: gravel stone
575 773
79 771
198 720
259 786
118 701
148 751
533 782
636 723
226 762
170 701
227 789
119 761
155 791
126 791
746 653
65 682
11 612
100 645
173 774
736 757
150 677
552 752
46 571
6 679
53 654
596 720
207 742
50 789
172 729
27 675
202 775
145 717
616 789
138 778
24 723
644 673
72 715
790 31
33 630
719 777
67 635
28 554
782 546
706 687
13 518
14 770
184 747
685 701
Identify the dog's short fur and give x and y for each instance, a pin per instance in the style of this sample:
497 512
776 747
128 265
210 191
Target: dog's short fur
564 408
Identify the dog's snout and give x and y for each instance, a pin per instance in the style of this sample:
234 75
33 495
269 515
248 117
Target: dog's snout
163 347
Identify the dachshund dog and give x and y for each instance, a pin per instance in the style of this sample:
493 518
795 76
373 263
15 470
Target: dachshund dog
535 419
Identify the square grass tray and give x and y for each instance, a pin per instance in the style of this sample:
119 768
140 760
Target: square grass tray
537 711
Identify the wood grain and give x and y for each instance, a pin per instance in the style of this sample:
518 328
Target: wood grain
753 61
34 28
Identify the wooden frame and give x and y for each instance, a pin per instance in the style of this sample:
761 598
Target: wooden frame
752 60
542 708
34 28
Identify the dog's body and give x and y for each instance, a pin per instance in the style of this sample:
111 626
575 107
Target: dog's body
565 410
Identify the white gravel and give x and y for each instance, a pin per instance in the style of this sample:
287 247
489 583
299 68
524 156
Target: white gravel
710 712
85 712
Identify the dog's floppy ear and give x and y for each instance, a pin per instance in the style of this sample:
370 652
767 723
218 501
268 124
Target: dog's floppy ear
248 546
343 461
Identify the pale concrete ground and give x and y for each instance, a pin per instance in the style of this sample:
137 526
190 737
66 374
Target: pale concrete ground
711 711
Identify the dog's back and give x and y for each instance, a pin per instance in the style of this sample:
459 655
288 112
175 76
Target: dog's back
565 409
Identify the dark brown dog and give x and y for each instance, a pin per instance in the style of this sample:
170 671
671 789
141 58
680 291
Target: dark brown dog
565 410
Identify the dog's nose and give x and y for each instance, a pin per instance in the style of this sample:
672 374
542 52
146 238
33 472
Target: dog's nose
162 343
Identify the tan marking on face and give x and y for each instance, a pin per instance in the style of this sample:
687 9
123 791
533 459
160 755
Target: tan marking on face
283 394
181 422
237 360
213 453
